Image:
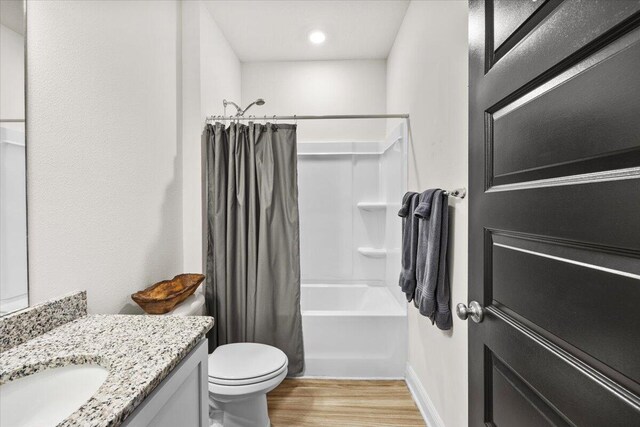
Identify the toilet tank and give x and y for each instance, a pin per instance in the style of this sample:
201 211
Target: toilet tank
192 306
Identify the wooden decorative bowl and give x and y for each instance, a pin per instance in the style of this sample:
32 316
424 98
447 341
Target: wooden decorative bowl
162 297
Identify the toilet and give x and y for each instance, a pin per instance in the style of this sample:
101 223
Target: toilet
240 376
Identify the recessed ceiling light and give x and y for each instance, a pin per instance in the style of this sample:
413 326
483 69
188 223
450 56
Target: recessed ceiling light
317 37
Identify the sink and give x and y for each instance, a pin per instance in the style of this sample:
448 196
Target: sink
47 397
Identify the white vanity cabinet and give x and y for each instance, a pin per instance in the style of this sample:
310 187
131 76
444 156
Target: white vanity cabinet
181 399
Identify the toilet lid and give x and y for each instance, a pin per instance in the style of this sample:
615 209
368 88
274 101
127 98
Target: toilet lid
245 363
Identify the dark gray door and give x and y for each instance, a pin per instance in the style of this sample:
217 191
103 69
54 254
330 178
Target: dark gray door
555 212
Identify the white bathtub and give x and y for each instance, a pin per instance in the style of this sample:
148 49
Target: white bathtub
353 331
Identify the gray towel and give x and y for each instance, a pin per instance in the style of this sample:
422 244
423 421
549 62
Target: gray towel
409 244
432 294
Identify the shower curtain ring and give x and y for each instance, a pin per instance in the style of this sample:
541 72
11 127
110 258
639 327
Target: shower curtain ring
275 120
295 119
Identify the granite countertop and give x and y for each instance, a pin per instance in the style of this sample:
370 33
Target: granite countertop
139 352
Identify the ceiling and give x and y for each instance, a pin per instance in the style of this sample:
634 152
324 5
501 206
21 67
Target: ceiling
278 30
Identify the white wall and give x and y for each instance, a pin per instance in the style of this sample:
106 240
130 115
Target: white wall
221 71
104 161
211 73
320 87
427 77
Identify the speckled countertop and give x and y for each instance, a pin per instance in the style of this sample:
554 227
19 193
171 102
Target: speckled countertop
139 352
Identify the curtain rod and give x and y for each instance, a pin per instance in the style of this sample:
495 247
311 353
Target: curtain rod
326 117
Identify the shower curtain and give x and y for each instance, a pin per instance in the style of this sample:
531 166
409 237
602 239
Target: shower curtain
253 250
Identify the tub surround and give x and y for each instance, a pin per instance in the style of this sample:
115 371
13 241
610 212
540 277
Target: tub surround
139 352
353 331
23 325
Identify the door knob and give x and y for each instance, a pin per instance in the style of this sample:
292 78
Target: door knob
474 310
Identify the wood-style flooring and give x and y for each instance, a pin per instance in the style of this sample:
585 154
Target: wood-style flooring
342 403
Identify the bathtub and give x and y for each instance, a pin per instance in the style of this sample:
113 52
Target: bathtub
353 331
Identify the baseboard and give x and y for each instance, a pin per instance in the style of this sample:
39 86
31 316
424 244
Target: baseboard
420 396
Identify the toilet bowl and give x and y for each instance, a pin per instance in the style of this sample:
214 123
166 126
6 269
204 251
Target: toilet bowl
239 375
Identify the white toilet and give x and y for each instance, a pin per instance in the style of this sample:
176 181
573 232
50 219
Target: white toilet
240 376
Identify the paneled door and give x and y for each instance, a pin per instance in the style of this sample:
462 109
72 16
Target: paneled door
554 267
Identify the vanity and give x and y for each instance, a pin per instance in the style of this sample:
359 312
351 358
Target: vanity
60 366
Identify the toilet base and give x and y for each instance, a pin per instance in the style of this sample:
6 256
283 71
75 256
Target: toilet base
249 412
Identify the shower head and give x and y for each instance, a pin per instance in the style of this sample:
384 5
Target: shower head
240 111
258 101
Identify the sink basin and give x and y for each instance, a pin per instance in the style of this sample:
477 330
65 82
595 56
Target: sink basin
47 397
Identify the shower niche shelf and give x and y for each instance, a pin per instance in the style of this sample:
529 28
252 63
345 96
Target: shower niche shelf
372 206
372 252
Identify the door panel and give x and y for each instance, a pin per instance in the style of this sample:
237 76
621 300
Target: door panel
572 31
509 22
515 403
580 122
554 245
563 289
575 391
510 15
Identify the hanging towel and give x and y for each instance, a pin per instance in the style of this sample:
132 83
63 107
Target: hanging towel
409 244
432 293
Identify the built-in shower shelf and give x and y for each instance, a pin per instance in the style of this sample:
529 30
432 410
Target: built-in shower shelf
373 252
372 206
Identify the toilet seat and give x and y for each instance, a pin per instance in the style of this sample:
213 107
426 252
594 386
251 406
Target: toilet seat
248 381
245 363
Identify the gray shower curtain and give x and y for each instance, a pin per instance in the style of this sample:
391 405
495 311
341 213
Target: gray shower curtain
253 250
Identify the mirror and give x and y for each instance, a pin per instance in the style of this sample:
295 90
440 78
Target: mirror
14 293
